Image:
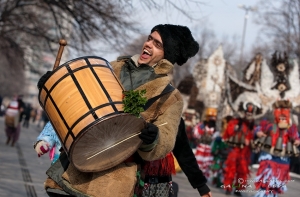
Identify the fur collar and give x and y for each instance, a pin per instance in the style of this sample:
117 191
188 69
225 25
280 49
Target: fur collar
162 67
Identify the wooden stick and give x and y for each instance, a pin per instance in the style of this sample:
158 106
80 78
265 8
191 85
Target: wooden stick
162 124
113 145
62 44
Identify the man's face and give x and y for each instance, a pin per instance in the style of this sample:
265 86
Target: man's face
283 123
282 117
249 112
152 50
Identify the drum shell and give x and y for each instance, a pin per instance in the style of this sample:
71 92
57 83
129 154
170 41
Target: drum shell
79 95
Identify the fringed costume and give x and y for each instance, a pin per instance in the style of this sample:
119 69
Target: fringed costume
219 151
274 162
158 176
204 132
168 107
48 135
238 135
203 150
148 171
273 172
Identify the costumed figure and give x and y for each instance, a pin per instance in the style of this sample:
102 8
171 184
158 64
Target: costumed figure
219 151
152 162
204 132
238 135
12 119
278 142
48 141
191 117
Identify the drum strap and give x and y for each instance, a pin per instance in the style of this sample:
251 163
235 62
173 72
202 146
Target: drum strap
169 88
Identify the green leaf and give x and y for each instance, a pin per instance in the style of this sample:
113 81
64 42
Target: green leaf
134 101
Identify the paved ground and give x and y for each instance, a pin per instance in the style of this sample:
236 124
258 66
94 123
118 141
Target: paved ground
22 173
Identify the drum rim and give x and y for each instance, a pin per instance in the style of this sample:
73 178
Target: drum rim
78 58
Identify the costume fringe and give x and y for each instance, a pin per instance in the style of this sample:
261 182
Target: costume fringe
236 167
204 158
272 176
161 167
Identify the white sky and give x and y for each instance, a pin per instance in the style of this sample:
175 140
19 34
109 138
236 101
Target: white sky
224 17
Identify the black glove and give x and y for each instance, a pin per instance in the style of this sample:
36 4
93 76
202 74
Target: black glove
43 79
149 133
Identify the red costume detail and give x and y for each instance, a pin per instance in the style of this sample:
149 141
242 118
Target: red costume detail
238 160
278 114
281 112
273 172
203 151
277 134
282 175
161 167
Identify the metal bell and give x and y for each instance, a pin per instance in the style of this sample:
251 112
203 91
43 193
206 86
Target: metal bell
236 140
230 141
242 140
261 141
295 151
278 146
267 143
289 149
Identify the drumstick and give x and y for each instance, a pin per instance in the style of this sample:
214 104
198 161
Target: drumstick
120 142
162 124
62 44
113 145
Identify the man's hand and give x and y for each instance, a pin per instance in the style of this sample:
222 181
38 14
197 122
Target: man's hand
149 133
247 142
204 189
207 195
260 134
41 147
297 142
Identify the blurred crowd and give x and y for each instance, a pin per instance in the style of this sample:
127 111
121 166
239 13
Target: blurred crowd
28 115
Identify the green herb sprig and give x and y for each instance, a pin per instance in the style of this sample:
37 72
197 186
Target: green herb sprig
134 101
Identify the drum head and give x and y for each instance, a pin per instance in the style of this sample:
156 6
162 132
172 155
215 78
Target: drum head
107 143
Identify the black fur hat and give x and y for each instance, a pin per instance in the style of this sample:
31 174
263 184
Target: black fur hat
178 42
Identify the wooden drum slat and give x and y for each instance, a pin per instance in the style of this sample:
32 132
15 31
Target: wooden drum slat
91 87
95 61
88 120
112 86
78 64
42 97
60 73
56 120
103 111
69 100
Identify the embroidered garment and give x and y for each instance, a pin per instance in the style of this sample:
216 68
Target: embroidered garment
48 135
273 172
203 150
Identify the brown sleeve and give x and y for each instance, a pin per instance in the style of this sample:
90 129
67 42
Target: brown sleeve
167 132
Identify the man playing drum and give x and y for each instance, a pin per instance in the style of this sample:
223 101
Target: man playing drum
165 46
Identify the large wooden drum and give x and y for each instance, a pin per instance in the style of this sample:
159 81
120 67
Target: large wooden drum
83 100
